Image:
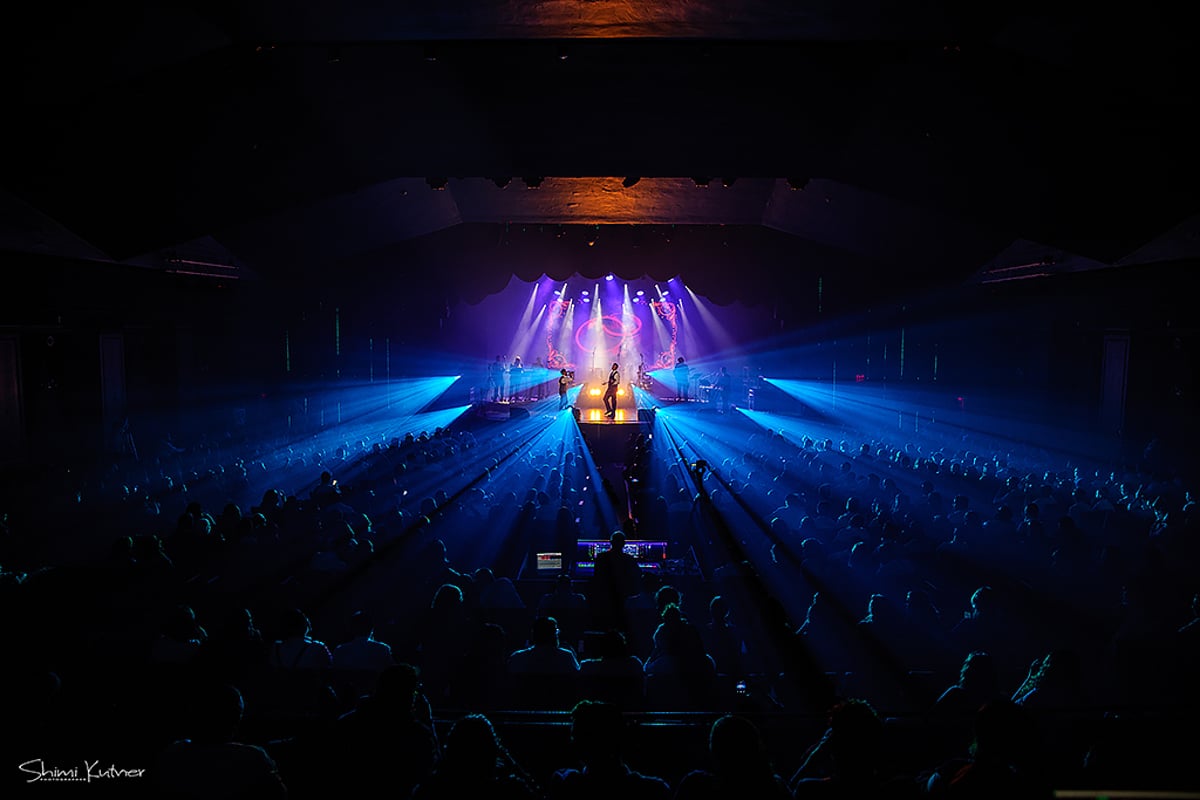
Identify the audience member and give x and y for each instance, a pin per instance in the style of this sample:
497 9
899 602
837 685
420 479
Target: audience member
613 673
1003 760
598 735
475 764
545 674
739 766
212 764
615 577
358 662
849 762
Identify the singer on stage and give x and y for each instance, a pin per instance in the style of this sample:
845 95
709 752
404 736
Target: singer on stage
610 394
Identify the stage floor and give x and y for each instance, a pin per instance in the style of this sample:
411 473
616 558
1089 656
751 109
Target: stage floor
595 416
591 408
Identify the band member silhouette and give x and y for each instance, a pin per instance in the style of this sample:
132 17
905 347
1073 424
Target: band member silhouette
610 394
682 376
564 383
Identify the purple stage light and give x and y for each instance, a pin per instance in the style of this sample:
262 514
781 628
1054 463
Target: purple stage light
608 277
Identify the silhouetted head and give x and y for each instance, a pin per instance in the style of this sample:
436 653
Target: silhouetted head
448 597
736 745
919 607
472 747
718 609
978 673
216 712
881 610
983 600
667 595
397 685
294 622
544 632
597 730
856 734
361 623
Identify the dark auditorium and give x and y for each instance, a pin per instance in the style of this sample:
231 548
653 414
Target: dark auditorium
581 399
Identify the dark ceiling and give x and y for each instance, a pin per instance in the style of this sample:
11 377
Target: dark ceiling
932 141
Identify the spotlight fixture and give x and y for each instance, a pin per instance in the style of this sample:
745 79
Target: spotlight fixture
608 277
437 184
629 183
727 182
501 182
797 183
640 293
702 183
532 183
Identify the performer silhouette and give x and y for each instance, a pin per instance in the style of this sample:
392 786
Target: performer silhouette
682 376
610 395
564 383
